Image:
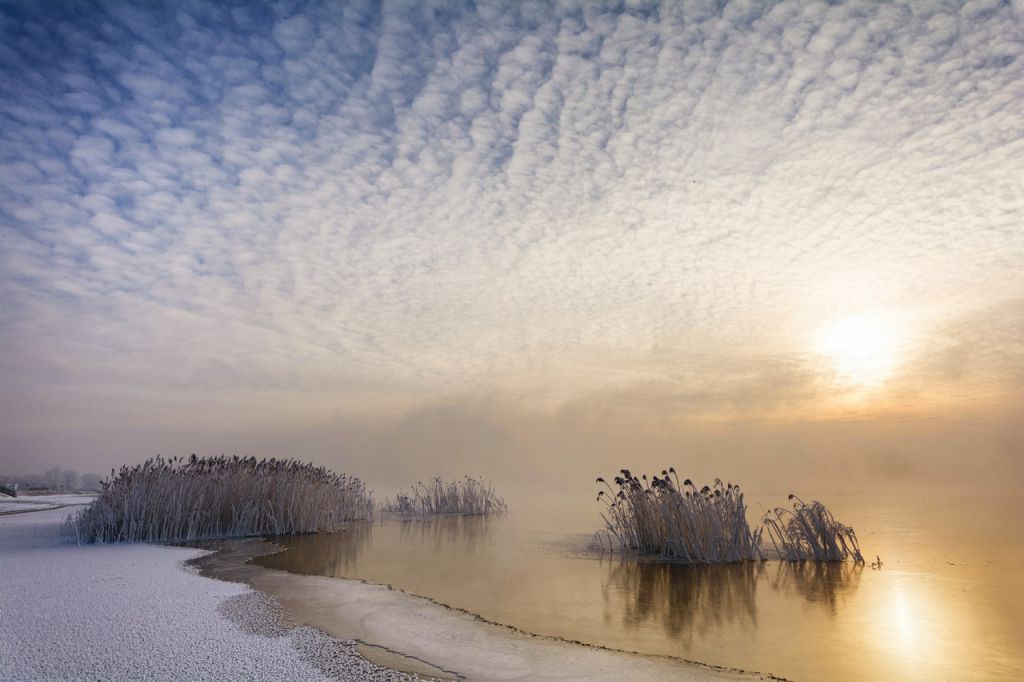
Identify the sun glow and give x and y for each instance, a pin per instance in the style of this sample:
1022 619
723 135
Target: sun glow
862 350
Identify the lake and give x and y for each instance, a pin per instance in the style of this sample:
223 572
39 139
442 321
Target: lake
946 603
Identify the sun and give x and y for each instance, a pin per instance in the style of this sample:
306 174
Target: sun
862 350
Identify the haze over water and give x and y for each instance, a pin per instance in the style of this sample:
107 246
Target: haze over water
946 603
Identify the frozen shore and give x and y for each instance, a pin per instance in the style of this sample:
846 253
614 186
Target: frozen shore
135 611
450 640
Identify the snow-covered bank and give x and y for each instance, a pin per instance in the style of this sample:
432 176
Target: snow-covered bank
27 503
10 505
133 612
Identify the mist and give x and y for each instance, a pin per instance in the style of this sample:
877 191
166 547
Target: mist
526 450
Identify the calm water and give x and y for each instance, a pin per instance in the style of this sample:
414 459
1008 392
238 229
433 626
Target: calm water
947 603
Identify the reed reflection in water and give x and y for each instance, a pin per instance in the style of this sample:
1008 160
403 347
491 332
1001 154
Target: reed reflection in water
686 599
321 553
442 532
338 554
825 583
693 600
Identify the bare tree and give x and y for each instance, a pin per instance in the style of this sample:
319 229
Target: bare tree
53 478
90 481
70 479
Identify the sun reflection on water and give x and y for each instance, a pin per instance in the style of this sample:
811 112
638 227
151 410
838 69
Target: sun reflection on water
917 628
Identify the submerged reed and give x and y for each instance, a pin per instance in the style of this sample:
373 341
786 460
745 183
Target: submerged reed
709 525
677 521
810 532
470 496
197 498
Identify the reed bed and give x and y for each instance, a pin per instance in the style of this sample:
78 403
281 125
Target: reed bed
810 532
677 521
199 498
674 520
469 496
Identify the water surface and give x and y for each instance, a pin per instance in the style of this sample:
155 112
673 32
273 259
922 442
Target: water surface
946 603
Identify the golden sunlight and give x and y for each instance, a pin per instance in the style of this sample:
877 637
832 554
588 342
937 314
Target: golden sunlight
862 350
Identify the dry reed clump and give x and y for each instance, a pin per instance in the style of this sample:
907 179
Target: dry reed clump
810 532
470 496
676 521
198 498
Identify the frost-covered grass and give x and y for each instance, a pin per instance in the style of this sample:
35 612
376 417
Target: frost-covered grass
469 496
674 520
810 532
677 521
196 498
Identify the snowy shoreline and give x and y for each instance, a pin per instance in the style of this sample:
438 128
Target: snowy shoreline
33 503
135 611
138 611
457 642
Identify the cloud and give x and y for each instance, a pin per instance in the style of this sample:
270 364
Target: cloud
380 203
294 34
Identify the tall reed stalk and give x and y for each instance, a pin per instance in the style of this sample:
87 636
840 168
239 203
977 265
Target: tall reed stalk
470 496
197 498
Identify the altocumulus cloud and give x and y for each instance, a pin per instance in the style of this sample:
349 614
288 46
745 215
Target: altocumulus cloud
312 200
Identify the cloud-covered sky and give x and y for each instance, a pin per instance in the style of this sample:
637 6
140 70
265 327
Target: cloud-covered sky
220 219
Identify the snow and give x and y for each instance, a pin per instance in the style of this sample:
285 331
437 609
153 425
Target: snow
133 611
59 499
39 502
9 504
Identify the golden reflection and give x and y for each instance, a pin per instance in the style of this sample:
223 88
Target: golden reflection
445 533
903 618
688 600
825 583
320 553
908 625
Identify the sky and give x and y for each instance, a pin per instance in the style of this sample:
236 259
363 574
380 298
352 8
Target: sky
781 243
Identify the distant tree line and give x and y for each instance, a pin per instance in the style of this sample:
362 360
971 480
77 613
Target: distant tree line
55 478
